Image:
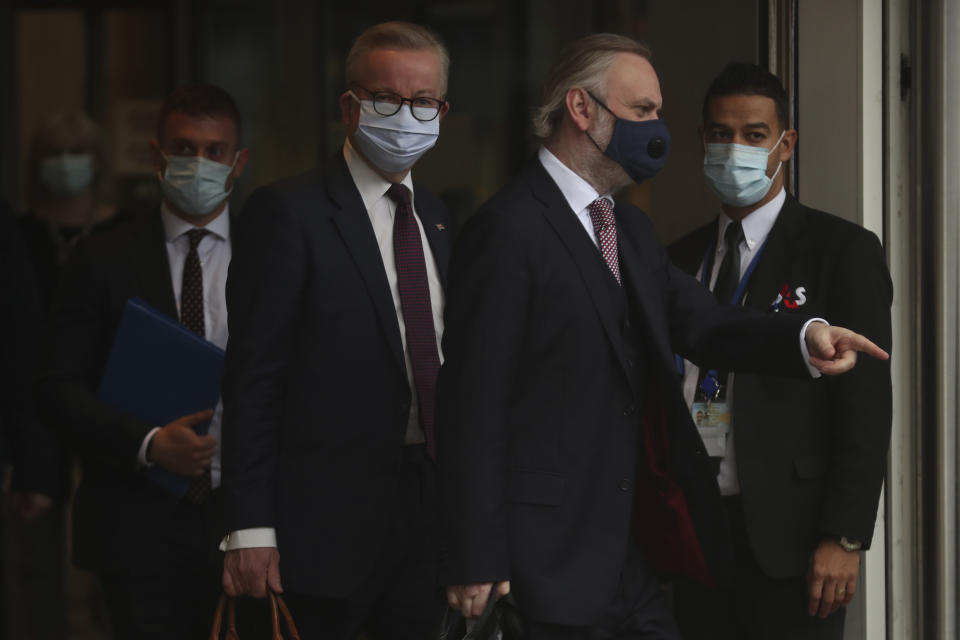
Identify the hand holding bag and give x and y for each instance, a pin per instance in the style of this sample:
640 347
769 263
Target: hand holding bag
500 620
277 608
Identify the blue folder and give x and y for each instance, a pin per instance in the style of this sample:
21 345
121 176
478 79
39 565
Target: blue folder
159 371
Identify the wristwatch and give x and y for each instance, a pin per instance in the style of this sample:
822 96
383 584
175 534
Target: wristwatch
850 545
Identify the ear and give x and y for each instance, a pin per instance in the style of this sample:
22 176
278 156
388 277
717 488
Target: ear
242 157
787 144
157 156
580 108
347 108
444 109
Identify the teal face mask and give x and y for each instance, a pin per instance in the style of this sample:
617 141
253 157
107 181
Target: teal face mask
737 173
67 173
194 185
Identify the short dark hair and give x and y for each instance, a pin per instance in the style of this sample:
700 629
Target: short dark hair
746 79
198 99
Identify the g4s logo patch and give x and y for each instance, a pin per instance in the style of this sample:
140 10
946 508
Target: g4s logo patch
790 299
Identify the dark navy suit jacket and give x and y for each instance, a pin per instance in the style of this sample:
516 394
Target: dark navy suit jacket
316 396
550 437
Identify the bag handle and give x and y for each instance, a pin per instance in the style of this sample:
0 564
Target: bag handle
278 608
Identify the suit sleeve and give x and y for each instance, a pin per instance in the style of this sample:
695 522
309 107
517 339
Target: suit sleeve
264 291
860 401
485 316
729 337
78 342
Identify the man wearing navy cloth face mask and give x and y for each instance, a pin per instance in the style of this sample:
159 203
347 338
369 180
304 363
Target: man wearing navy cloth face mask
336 303
571 472
800 462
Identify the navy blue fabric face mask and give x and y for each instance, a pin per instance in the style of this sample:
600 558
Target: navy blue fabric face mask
641 148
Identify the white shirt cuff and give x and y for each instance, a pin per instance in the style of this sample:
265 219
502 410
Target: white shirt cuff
249 538
142 454
814 372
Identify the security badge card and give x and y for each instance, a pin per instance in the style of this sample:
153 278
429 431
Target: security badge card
712 414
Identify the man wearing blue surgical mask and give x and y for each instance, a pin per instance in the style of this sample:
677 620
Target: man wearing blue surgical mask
336 300
156 554
799 463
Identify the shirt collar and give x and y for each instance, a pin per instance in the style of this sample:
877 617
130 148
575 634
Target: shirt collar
576 191
174 227
757 224
371 185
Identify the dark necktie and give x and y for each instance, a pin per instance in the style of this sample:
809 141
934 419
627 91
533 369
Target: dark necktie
605 226
728 278
414 292
191 316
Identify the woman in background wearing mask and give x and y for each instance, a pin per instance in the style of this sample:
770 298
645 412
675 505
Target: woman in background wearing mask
69 194
69 191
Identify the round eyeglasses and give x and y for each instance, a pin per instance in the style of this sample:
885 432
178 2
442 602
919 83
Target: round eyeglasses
387 103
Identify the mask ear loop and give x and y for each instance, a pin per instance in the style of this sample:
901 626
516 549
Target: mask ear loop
772 149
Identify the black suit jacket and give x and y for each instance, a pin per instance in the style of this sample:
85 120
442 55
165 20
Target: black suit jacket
549 435
316 396
116 507
24 443
811 454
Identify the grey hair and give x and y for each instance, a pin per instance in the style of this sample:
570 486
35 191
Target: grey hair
584 64
405 36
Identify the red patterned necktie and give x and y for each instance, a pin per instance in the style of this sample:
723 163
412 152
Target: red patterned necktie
191 316
415 303
605 226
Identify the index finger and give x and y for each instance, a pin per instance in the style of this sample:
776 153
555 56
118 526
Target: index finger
196 418
816 591
864 345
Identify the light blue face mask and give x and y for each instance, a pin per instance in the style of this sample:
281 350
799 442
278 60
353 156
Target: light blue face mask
195 185
67 173
737 173
393 143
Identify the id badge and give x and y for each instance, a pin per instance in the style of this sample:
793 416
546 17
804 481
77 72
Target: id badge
713 423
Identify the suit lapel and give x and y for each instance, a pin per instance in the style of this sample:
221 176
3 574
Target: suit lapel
787 238
593 270
152 266
352 221
434 226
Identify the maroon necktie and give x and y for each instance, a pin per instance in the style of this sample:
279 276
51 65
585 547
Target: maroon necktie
191 316
417 311
605 226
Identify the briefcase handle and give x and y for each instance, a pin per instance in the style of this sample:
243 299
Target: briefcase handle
277 608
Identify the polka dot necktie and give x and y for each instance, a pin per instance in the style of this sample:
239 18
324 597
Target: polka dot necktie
191 316
417 311
605 226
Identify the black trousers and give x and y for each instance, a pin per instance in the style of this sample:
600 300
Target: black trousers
401 598
170 591
639 610
757 607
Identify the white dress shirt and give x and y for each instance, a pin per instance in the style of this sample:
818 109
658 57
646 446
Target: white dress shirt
214 252
381 209
576 191
756 228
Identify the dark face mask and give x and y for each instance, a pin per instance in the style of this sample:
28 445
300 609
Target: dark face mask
641 148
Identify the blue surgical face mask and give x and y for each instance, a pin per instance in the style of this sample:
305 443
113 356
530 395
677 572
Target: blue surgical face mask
67 173
195 185
737 173
393 143
641 148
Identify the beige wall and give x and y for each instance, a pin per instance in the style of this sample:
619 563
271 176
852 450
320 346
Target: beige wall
691 43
